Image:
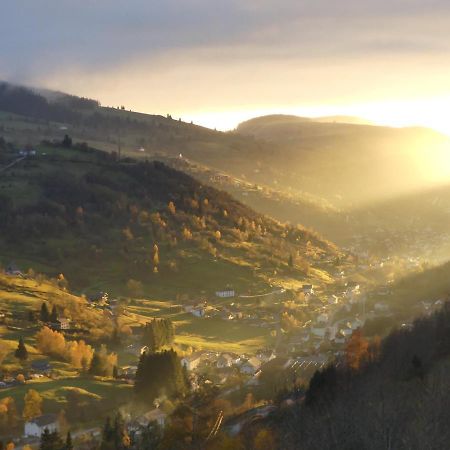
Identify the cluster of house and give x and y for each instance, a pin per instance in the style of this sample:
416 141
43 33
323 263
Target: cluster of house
248 365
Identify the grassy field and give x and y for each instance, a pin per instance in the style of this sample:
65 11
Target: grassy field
54 392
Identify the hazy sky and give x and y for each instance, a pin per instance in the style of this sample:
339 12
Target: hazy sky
220 61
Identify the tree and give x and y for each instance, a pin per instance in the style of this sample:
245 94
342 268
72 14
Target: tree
54 315
357 350
33 405
67 141
291 261
44 315
51 441
102 363
21 352
159 372
171 208
69 444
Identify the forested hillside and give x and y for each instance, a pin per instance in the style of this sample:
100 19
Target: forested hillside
68 208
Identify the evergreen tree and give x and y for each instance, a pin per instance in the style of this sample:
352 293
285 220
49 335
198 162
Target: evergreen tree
21 352
291 261
44 315
51 441
159 371
54 315
96 364
69 444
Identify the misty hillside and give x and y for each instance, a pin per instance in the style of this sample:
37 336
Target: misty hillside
351 164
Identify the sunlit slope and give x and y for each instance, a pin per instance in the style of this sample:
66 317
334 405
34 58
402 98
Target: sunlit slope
78 211
351 164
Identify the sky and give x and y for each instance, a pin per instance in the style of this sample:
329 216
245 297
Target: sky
218 62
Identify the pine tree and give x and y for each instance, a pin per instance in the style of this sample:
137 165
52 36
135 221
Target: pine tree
291 261
51 441
21 352
45 315
69 444
54 315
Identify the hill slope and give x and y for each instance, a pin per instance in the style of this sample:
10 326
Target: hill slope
76 210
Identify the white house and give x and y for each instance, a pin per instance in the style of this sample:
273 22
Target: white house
191 362
226 293
35 427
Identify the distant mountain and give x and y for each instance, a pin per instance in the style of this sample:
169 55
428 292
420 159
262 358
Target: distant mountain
349 164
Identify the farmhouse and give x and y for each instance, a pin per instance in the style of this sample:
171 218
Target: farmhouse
35 427
191 362
61 324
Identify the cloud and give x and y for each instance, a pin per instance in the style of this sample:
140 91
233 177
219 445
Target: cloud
203 52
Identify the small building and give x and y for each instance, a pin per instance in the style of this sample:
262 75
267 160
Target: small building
308 289
251 366
226 293
154 416
61 324
198 311
13 270
224 360
127 371
191 362
35 427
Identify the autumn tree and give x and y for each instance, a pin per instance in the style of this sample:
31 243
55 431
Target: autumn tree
357 350
51 342
171 208
32 405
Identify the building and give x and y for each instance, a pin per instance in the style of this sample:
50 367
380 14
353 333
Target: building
154 416
191 362
251 366
224 360
61 324
35 427
226 293
198 311
308 289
